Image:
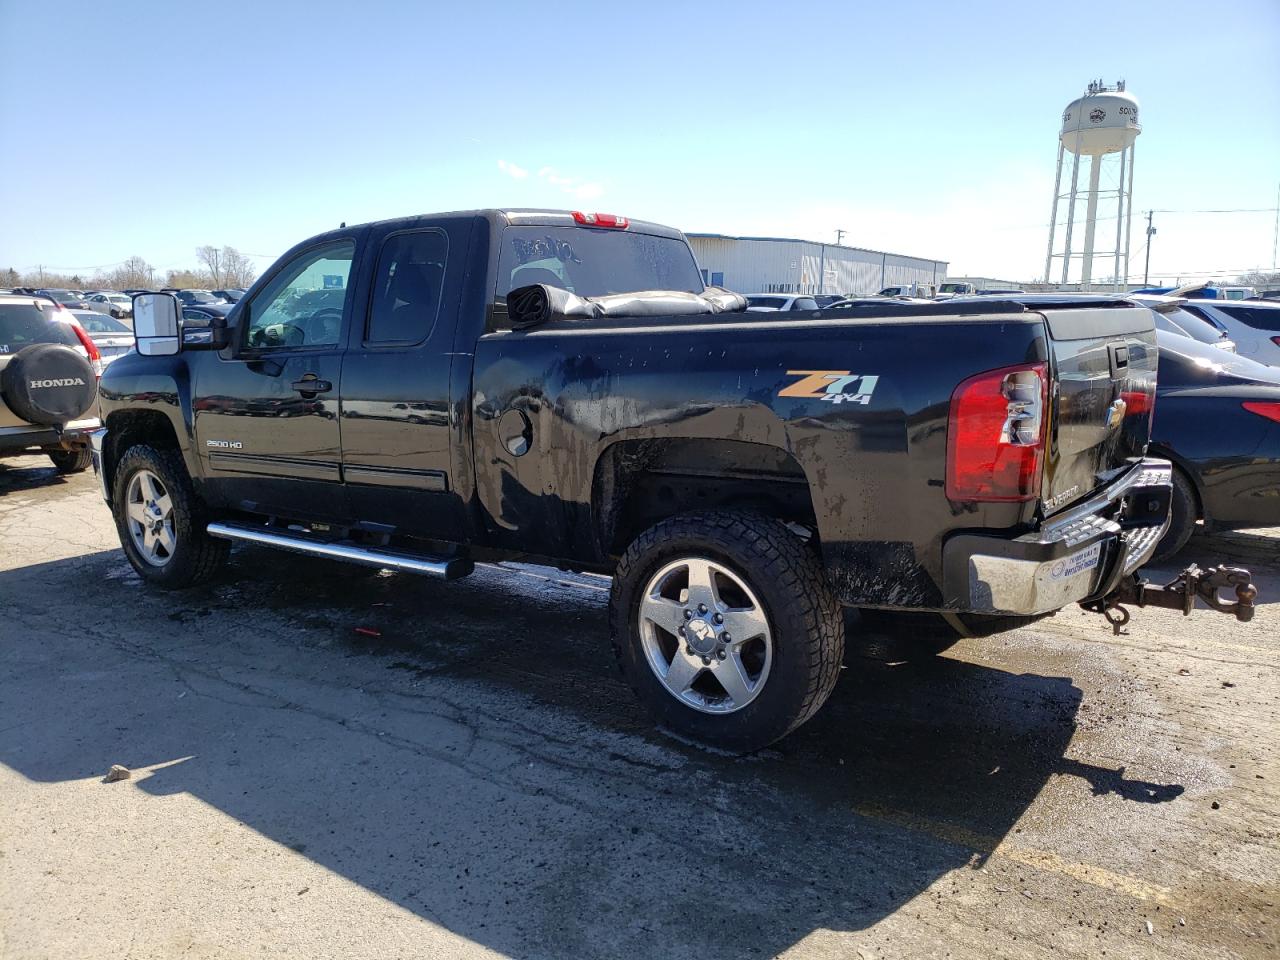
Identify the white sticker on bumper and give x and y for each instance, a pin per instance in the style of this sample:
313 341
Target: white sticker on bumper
1077 563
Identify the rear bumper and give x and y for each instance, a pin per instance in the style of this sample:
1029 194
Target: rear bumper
1072 557
16 440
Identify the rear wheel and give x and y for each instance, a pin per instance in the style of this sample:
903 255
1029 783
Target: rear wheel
160 520
1184 511
76 460
725 626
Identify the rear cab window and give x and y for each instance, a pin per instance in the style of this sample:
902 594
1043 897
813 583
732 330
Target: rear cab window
592 262
22 324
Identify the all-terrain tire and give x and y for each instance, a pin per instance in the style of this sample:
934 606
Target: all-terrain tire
805 619
76 460
1184 512
196 556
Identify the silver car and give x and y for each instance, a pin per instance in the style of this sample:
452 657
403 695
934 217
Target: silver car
112 337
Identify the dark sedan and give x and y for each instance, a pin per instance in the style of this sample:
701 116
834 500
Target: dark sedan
1217 417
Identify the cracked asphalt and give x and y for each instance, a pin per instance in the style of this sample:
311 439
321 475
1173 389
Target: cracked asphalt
331 764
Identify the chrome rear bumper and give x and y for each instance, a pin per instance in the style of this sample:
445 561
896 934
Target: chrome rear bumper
1072 557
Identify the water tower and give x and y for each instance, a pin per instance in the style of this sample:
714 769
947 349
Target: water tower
1102 126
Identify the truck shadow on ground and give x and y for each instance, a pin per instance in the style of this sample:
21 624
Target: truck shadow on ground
473 757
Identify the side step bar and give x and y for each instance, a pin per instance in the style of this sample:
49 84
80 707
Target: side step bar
445 569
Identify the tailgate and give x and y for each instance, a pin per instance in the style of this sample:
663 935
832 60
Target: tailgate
1104 360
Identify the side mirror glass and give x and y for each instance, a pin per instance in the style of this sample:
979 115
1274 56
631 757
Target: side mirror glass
156 324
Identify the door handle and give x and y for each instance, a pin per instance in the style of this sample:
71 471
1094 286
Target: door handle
310 385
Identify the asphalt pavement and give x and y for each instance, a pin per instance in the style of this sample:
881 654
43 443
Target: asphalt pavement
327 763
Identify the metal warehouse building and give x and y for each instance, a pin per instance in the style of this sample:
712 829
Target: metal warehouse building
781 265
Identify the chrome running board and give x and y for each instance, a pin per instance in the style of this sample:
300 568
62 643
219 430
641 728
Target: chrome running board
445 569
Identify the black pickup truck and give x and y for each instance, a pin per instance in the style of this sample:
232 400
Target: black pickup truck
422 393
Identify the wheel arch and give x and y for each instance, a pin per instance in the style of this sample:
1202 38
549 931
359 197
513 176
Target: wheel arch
1188 470
127 428
638 483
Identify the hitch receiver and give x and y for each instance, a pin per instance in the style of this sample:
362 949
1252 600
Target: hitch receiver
1180 593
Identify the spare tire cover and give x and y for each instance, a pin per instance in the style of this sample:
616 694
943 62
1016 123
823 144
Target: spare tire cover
48 383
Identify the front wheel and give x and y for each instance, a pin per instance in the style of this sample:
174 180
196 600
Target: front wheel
726 628
160 520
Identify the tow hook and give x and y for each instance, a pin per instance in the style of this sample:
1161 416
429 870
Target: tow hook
1180 594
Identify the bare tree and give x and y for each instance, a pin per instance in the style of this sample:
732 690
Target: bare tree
212 258
237 269
1261 279
134 273
188 279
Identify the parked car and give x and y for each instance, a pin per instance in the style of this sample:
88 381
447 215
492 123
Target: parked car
191 298
68 298
112 338
919 291
205 312
113 304
1253 325
824 300
1000 292
955 288
1217 418
491 398
135 291
1171 316
762 302
231 295
49 371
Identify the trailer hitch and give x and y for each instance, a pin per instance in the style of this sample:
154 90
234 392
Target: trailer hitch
1180 593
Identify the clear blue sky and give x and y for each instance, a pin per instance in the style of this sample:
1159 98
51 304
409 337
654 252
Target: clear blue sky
926 128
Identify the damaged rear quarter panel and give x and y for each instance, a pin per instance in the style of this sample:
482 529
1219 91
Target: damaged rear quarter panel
874 459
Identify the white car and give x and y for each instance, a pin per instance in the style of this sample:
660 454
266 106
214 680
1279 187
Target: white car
113 304
1254 325
770 302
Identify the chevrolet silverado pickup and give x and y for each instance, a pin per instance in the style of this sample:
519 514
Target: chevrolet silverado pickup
423 393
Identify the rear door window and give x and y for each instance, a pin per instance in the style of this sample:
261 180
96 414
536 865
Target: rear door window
1259 318
407 287
22 324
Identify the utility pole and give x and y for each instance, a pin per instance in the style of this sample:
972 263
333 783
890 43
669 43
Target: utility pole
839 236
1151 232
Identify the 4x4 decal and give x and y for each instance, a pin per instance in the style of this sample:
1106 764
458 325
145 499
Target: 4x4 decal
835 386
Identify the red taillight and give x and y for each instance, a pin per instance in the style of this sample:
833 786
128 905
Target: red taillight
86 341
1276 341
601 220
1137 401
995 435
1268 409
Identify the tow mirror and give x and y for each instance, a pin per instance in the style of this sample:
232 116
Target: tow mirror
156 324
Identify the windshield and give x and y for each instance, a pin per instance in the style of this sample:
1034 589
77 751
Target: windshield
22 324
773 303
594 263
951 288
200 296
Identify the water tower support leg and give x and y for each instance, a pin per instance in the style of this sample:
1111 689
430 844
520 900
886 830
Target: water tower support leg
1128 214
1071 215
1053 215
1115 272
1090 221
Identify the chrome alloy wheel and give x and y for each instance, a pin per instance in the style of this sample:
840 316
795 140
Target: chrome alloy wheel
149 515
705 635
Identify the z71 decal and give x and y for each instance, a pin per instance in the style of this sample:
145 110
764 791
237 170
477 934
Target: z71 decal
835 386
